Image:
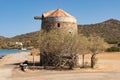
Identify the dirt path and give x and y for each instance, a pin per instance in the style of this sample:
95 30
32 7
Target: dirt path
7 64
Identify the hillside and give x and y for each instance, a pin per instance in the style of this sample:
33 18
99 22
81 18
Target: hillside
2 38
33 36
29 40
109 30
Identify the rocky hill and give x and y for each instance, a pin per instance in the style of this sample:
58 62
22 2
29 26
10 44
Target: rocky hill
29 40
109 30
2 38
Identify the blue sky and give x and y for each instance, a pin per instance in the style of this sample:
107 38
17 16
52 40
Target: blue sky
16 16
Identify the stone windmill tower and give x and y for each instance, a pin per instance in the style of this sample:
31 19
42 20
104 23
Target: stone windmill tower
58 20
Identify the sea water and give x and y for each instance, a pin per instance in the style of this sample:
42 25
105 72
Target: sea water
9 51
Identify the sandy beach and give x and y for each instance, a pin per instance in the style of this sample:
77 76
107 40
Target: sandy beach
107 68
8 63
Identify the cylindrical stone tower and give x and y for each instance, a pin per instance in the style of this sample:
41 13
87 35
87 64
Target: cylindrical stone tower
59 20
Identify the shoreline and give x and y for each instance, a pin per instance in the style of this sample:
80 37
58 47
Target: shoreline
15 57
4 52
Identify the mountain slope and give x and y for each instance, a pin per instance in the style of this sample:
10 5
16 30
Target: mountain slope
28 40
109 30
26 37
2 38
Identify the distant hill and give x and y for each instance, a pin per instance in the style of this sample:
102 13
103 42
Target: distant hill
33 36
29 40
2 38
109 30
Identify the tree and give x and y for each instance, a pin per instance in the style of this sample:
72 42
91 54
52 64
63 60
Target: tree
83 47
96 45
59 49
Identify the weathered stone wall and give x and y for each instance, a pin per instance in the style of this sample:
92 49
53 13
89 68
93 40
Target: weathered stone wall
60 19
67 27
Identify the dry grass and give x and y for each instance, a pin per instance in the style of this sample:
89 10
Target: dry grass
106 55
109 56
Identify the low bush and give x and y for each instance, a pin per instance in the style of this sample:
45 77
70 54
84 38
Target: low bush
113 49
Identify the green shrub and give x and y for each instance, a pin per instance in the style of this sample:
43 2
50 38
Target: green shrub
113 49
